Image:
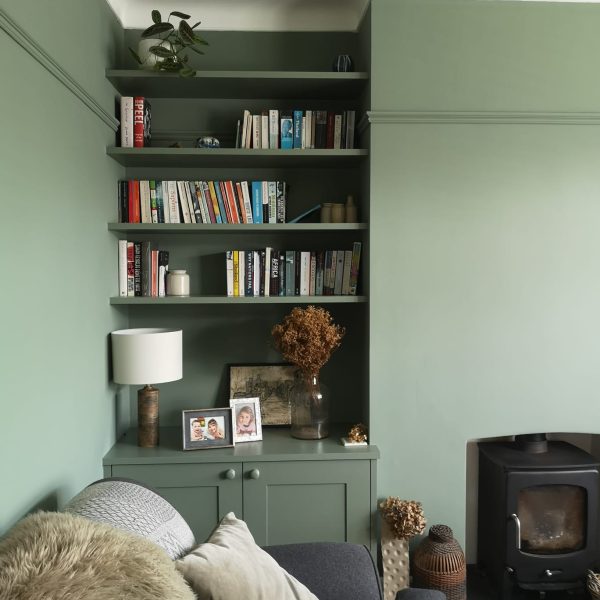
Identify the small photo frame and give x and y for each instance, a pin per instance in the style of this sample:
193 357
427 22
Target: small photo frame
247 423
272 383
207 428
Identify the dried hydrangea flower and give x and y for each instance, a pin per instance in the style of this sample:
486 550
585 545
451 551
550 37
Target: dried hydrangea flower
405 517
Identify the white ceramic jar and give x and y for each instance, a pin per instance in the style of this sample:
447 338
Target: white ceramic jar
178 283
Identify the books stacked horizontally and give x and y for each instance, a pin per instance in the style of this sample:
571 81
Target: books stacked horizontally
270 272
152 201
135 122
308 129
142 269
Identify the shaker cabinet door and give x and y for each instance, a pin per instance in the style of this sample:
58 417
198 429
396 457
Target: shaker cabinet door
308 501
202 493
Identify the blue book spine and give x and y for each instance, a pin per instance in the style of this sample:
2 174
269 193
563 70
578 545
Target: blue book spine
297 129
220 201
287 131
257 205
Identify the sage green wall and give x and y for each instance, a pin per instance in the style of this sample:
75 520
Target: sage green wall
58 412
485 253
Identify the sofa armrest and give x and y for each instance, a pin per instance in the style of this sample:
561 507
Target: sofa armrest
330 570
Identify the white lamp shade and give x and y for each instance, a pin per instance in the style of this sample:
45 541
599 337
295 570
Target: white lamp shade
146 356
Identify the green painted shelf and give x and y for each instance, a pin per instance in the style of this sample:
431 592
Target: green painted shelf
138 300
295 85
203 228
235 157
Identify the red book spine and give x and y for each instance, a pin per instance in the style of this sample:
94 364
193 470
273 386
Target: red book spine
154 273
240 201
137 216
138 122
232 203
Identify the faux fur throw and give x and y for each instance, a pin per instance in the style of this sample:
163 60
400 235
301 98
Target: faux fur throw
58 556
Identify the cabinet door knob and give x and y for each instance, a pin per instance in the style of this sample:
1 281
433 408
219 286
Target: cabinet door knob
254 474
230 474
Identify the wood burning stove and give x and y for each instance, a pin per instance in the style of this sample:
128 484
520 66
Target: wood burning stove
537 520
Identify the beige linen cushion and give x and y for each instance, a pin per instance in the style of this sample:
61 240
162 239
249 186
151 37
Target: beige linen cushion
230 566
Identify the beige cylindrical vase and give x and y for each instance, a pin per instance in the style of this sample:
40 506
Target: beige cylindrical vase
394 556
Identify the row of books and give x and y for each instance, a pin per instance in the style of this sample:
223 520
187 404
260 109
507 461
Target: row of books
153 201
271 272
135 120
142 269
296 129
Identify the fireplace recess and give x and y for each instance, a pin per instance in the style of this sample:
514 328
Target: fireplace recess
537 517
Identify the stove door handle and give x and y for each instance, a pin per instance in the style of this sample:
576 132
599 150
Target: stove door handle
515 518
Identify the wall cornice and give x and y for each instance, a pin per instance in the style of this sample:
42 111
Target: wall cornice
485 117
19 35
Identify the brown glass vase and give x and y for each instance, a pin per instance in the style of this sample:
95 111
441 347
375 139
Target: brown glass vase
310 408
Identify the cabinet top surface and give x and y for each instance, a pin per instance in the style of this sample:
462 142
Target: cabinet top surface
277 445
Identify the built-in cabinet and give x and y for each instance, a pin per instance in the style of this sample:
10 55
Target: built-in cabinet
287 490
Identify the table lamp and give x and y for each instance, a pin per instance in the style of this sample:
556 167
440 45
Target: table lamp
146 357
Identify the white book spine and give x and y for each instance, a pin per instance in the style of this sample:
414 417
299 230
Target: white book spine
245 127
247 201
308 130
256 272
122 267
145 205
130 269
265 200
264 131
256 128
173 202
337 132
185 207
339 273
202 201
127 122
313 274
166 205
272 192
268 271
273 128
190 201
304 132
304 273
229 271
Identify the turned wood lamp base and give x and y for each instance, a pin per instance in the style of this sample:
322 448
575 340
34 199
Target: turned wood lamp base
148 417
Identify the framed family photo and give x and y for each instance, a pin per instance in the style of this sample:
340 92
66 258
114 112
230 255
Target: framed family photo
272 384
247 423
207 428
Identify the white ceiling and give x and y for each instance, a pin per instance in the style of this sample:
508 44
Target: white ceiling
248 15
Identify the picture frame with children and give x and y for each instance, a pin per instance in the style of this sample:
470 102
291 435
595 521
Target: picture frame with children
247 425
207 428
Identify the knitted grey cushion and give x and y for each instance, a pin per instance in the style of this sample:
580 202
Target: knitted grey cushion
132 507
330 570
418 594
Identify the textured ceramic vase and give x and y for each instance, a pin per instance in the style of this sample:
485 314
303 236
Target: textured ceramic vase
310 408
394 556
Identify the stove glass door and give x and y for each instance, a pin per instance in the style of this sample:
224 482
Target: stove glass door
553 518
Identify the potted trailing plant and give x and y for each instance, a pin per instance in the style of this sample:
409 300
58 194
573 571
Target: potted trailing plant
162 47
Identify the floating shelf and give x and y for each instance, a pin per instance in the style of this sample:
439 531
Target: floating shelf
137 300
234 157
240 84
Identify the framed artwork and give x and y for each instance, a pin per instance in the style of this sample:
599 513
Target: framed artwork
272 384
247 423
207 428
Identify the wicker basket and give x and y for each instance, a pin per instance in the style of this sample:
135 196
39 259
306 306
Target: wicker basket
593 584
439 564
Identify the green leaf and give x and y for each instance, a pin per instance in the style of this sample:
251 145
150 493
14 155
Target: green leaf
187 72
135 55
186 34
161 51
180 14
157 29
156 18
199 40
196 24
196 50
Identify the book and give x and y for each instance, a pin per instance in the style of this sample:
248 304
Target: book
236 273
256 273
241 272
286 131
297 116
126 121
173 201
267 272
272 200
356 248
123 190
308 129
305 214
246 119
122 250
330 130
211 196
153 202
223 209
146 268
202 203
350 118
282 269
304 273
274 273
273 128
281 193
290 271
265 201
321 129
229 271
141 122
164 201
339 273
195 202
256 131
233 210
239 195
247 201
221 193
154 273
264 129
257 206
137 268
346 273
130 269
297 261
249 273
183 201
337 131
163 269
313 274
319 273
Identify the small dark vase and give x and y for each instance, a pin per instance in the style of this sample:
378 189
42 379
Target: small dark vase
310 408
343 63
